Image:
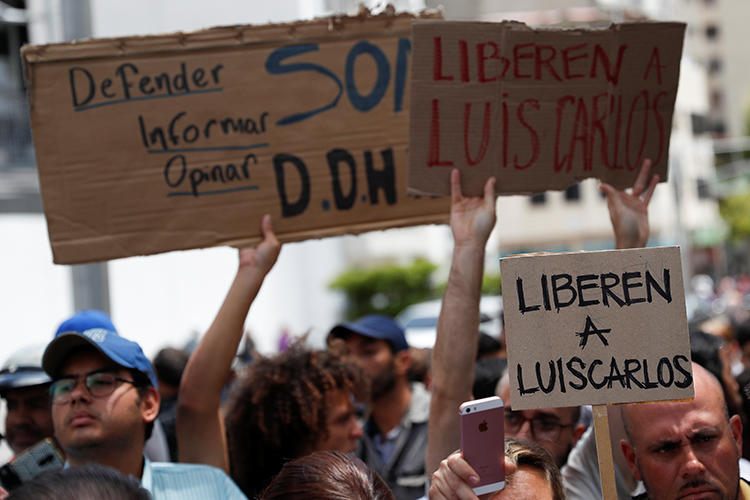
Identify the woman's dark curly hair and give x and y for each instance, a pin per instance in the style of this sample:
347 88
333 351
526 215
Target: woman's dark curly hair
279 409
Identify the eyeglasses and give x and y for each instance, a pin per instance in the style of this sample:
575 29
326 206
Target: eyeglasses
99 385
542 428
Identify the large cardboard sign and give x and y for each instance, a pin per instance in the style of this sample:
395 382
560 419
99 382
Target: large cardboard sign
540 109
150 144
596 328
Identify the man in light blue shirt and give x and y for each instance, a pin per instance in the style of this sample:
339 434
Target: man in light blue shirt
104 402
167 480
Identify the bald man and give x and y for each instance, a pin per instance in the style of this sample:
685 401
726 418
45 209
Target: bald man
686 449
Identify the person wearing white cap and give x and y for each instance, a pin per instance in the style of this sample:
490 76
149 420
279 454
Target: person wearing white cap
24 386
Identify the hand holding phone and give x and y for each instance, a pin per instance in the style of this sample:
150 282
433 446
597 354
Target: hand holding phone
483 442
43 456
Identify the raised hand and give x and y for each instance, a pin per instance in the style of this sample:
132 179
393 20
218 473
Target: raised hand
200 429
472 219
628 211
265 254
455 478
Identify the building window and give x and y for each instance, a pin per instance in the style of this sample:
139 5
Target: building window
712 32
573 193
717 98
538 199
15 128
704 190
700 124
714 65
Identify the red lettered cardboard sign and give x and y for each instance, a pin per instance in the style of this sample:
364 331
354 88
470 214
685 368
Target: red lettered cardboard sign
158 143
596 328
540 109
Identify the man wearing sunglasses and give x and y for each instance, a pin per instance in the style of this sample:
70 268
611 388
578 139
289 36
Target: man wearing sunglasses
104 402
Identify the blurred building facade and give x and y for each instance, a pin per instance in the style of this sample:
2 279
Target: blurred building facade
683 211
19 190
156 297
717 39
167 298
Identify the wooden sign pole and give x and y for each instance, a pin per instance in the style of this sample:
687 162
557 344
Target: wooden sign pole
604 452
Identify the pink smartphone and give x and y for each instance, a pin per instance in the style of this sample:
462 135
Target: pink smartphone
483 442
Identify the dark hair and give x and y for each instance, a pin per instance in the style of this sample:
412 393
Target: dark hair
169 364
530 454
279 409
88 482
142 383
327 475
487 372
704 350
487 345
421 360
742 332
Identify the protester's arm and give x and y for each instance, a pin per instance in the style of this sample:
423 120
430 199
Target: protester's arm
629 211
200 427
472 220
455 479
629 215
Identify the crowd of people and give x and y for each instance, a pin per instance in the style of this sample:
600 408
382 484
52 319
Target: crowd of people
365 418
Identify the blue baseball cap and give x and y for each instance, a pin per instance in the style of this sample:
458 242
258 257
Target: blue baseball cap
375 326
86 320
94 329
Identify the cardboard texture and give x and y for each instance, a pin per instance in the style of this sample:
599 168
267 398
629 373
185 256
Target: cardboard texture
596 328
540 109
158 143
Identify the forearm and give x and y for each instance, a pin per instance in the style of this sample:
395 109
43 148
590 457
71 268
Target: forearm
208 368
455 350
198 416
202 439
637 237
458 325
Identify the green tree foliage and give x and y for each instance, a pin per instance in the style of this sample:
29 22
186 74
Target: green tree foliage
388 289
735 210
492 284
385 289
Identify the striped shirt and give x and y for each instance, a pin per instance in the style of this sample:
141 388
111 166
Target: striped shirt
174 481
